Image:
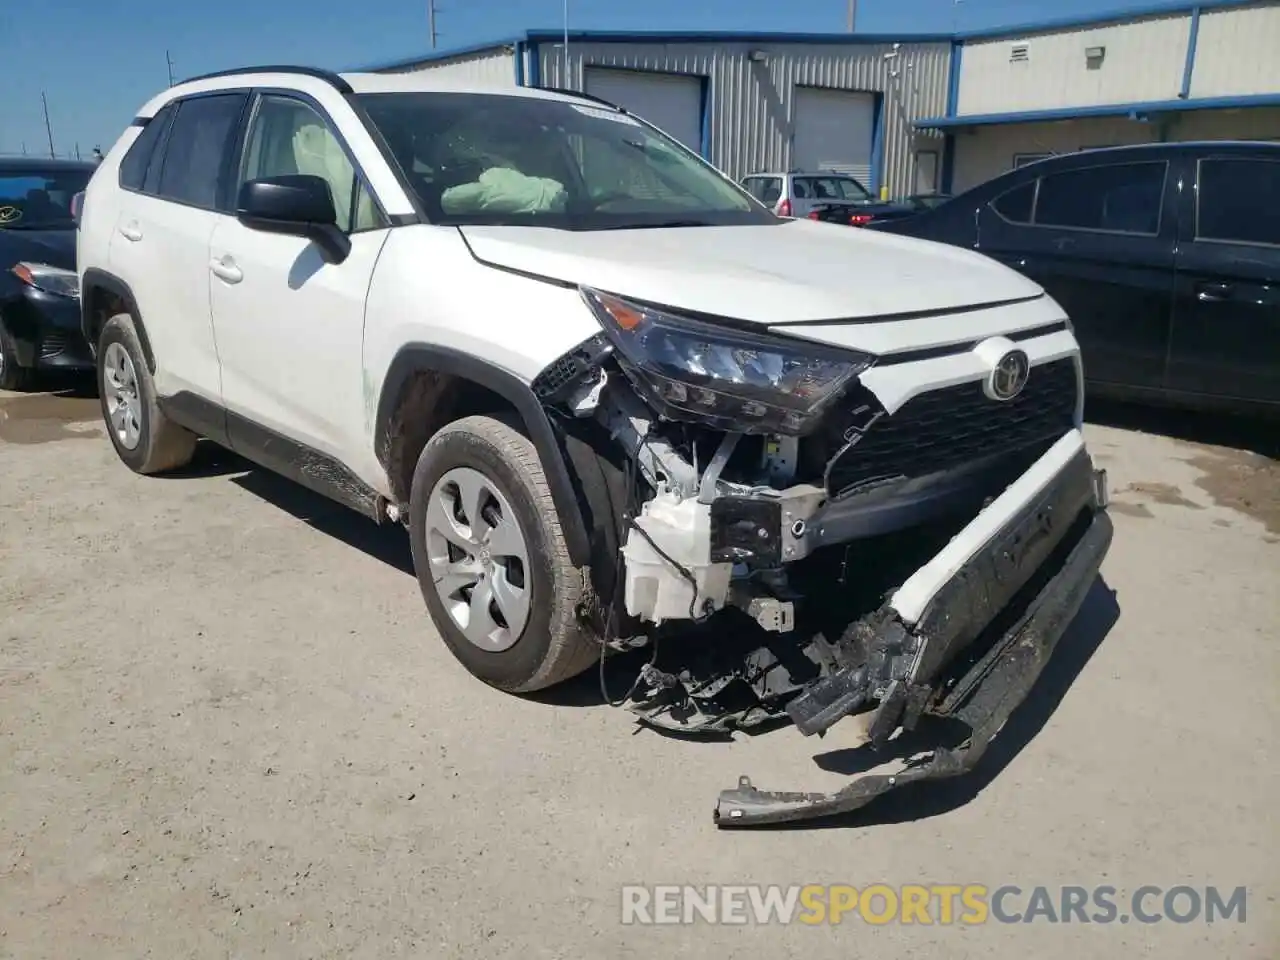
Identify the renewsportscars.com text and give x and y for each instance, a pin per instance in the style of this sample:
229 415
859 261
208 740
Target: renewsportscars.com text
942 904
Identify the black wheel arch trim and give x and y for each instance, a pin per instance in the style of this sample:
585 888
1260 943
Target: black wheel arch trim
547 439
96 279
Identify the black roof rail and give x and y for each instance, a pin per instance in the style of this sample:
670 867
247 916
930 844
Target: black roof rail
583 96
328 76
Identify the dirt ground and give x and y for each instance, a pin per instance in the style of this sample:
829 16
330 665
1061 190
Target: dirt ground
227 729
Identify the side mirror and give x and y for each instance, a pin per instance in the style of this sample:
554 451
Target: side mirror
300 205
77 207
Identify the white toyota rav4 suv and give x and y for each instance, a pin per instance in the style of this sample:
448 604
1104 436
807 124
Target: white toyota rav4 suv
612 398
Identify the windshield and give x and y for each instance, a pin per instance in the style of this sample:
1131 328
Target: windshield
35 199
475 158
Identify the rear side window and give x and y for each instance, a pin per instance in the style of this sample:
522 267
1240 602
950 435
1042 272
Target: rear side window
133 168
1239 201
802 190
1119 198
196 150
1015 205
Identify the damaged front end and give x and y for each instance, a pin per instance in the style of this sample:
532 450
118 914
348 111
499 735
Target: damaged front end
837 556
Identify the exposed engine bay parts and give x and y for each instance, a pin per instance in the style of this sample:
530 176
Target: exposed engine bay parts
920 563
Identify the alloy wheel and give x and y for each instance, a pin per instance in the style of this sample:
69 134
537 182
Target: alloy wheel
120 392
479 559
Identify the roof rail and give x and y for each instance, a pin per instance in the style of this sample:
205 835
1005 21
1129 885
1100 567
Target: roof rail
327 76
583 96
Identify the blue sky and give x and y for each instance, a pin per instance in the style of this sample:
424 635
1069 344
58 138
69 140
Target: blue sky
99 61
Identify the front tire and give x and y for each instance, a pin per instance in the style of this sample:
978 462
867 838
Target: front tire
491 559
144 438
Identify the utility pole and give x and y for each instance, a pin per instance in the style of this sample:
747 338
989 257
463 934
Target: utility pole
169 63
853 15
48 128
431 21
565 78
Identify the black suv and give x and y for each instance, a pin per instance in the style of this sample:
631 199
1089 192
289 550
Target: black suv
39 289
1166 256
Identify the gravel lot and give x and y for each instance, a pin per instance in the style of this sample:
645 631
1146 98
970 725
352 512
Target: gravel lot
227 729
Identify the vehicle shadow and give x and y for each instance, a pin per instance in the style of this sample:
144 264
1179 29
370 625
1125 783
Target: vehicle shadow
1214 429
921 801
386 542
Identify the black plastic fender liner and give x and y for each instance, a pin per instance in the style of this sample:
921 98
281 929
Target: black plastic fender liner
1025 650
416 358
95 279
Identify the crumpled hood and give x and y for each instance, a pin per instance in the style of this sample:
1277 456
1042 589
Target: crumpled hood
793 272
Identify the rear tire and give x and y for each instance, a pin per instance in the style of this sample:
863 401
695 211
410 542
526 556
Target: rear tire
144 438
515 551
13 376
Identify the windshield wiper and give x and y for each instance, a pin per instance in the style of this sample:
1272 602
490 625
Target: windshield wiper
654 225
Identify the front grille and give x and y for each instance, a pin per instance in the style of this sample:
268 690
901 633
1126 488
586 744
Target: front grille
948 428
52 345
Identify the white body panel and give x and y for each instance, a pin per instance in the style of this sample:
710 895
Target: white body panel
291 333
669 101
834 130
895 384
161 249
799 271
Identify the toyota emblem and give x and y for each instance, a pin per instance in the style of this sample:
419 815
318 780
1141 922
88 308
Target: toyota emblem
1009 376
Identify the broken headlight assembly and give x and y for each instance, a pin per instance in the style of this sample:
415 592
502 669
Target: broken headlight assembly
720 376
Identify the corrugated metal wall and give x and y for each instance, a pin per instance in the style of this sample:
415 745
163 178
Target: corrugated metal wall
1144 60
751 122
488 68
1238 52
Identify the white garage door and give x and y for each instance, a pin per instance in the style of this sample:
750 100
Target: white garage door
835 130
671 102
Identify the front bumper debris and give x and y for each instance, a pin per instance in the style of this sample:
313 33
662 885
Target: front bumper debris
982 698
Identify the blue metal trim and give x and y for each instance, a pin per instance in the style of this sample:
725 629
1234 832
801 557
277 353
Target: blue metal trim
1133 110
877 145
704 148
1192 38
953 81
948 163
519 62
1112 16
730 36
535 64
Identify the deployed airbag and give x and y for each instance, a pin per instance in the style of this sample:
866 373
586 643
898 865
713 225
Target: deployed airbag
503 190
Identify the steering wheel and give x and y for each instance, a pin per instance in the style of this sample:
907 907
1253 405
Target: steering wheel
10 214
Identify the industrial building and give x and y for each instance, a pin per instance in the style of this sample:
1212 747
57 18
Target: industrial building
917 113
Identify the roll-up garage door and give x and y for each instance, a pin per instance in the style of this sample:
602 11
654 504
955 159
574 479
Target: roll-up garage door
671 102
835 130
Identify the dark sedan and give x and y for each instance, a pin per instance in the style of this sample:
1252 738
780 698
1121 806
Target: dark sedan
1166 257
39 289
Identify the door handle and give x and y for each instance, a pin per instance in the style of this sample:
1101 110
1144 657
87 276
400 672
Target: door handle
1213 292
131 231
225 268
